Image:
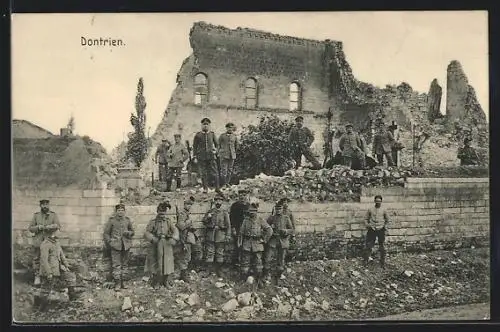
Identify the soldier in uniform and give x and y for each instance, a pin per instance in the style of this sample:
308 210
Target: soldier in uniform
383 142
187 238
237 214
352 147
43 224
254 233
161 157
177 155
163 236
376 222
228 144
217 234
55 269
276 249
118 234
300 140
467 155
205 147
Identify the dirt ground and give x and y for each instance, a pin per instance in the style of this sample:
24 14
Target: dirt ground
319 290
476 311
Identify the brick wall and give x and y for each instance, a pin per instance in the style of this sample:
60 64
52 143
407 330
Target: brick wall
426 214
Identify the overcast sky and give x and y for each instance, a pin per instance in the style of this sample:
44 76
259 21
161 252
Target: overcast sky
54 76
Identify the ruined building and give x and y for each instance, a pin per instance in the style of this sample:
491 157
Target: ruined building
237 75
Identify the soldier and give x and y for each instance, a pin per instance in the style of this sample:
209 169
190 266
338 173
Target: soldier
352 147
187 238
276 249
376 223
161 157
43 224
467 155
254 233
228 144
163 236
205 147
300 140
237 214
118 234
55 269
177 155
383 141
217 234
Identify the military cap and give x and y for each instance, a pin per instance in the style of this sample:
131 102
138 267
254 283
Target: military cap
348 125
299 118
163 139
229 125
44 201
218 197
119 206
177 135
205 121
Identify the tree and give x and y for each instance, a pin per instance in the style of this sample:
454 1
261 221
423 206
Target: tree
71 124
137 144
404 90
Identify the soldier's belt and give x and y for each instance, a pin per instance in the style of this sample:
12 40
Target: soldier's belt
253 236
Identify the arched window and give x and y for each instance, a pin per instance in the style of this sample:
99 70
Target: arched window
251 93
294 96
200 89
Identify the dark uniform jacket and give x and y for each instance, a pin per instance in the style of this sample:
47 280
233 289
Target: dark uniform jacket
300 137
236 215
43 225
162 153
161 225
119 231
52 258
185 226
255 232
177 155
383 142
217 225
351 145
282 229
204 144
228 144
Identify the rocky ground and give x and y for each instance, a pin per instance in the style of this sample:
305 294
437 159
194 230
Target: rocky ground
319 290
475 311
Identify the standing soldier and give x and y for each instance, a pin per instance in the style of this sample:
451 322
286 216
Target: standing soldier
277 247
254 233
352 147
161 157
186 238
467 155
43 224
55 269
163 236
177 155
217 234
118 235
376 222
383 142
205 154
300 140
228 144
237 213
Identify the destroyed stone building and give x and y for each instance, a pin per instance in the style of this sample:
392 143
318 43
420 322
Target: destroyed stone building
239 74
26 129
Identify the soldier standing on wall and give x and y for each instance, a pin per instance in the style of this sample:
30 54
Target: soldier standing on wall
277 247
177 155
383 143
352 147
163 236
205 154
161 157
228 144
376 223
186 238
300 140
217 234
43 224
254 233
237 214
118 234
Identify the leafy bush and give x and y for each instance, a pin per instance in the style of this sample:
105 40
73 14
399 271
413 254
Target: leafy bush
264 149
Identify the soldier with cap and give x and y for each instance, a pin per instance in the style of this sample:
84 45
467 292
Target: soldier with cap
300 140
237 214
205 147
376 222
118 234
254 233
217 234
161 157
467 155
163 235
383 142
43 224
228 144
187 238
278 245
177 155
352 147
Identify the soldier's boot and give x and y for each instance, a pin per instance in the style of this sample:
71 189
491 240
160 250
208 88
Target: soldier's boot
366 256
259 276
118 285
243 275
184 276
168 281
169 185
154 281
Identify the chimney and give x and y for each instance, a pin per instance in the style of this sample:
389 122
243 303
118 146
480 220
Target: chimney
65 132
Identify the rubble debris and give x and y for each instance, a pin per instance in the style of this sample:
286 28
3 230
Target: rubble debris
230 305
127 304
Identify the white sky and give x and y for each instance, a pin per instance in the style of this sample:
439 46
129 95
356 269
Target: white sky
53 76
